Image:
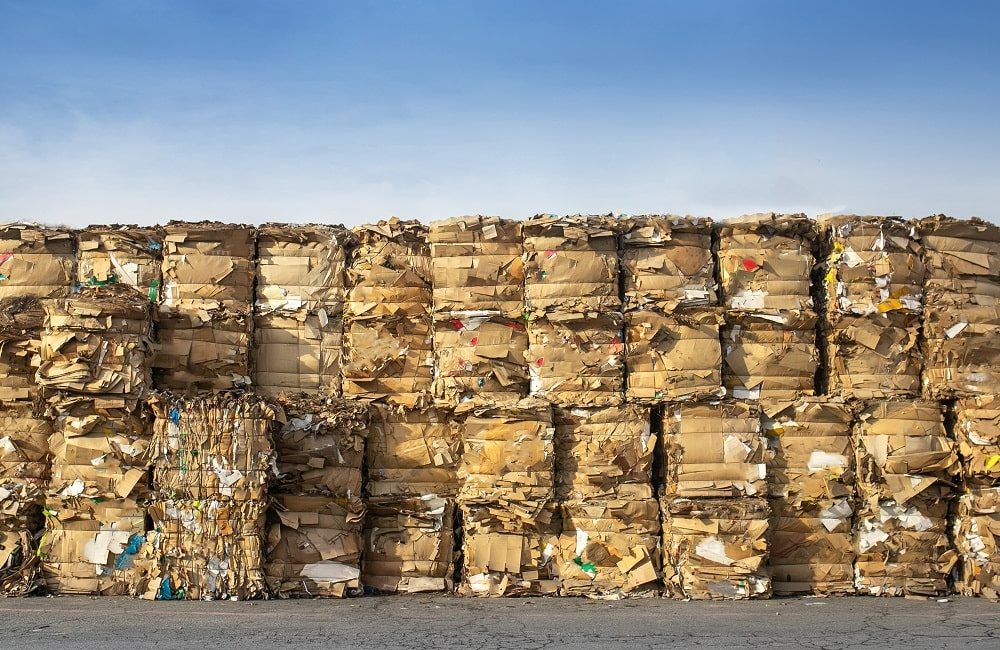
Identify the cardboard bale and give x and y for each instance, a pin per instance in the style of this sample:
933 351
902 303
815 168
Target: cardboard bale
301 268
977 536
413 453
610 549
571 264
713 449
875 356
667 263
21 321
977 428
812 547
126 255
36 261
298 352
207 549
769 360
314 545
510 549
24 443
202 350
577 359
409 545
214 444
675 357
480 360
715 549
604 453
208 265
20 520
477 266
392 264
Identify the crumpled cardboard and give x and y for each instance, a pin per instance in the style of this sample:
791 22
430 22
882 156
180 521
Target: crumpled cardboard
392 264
874 356
715 549
409 545
577 359
962 316
302 267
126 255
667 263
216 444
207 549
20 519
21 321
413 453
977 537
610 549
977 429
202 350
604 453
314 545
571 264
480 360
477 266
713 449
24 443
299 352
35 261
763 359
209 265
510 549
675 357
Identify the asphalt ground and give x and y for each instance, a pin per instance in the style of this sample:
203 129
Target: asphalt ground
431 622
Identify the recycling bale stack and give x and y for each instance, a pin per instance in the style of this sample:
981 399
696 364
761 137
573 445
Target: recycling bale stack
127 255
713 501
95 373
298 324
811 488
907 467
671 309
769 340
205 319
874 280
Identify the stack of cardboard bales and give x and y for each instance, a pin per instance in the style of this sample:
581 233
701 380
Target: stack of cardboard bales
874 299
715 511
128 255
811 488
95 373
769 341
212 456
671 314
907 467
205 315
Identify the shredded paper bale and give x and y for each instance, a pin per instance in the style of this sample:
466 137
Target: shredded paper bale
480 360
977 536
676 357
35 261
977 428
577 359
413 453
125 255
409 545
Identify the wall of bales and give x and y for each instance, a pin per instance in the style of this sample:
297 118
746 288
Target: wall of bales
581 405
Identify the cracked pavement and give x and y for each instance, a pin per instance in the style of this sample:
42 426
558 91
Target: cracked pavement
439 621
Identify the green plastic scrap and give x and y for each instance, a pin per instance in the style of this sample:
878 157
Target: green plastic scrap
154 290
587 567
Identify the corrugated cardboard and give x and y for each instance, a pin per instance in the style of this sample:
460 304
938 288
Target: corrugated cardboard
577 359
713 449
20 519
409 545
298 352
769 360
126 255
24 443
811 547
208 264
610 549
480 360
715 549
413 453
604 453
301 267
392 264
571 264
314 545
35 261
477 266
676 357
977 536
977 429
667 263
21 322
875 356
202 350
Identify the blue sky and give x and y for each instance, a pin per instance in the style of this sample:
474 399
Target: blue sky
353 111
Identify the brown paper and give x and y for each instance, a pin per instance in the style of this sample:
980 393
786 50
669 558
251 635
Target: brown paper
977 428
977 537
763 359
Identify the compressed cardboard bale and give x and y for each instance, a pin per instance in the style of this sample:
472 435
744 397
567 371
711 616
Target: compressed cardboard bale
510 549
812 547
667 263
715 549
392 264
603 453
675 357
302 267
217 444
207 549
769 360
480 360
35 261
977 428
713 449
413 453
409 545
208 265
314 545
21 321
571 264
765 262
24 443
95 547
202 350
977 537
298 352
577 359
610 549
126 255
321 446
874 356
507 454
20 519
477 266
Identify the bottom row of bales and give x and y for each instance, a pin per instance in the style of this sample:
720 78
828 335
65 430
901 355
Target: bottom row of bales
237 497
